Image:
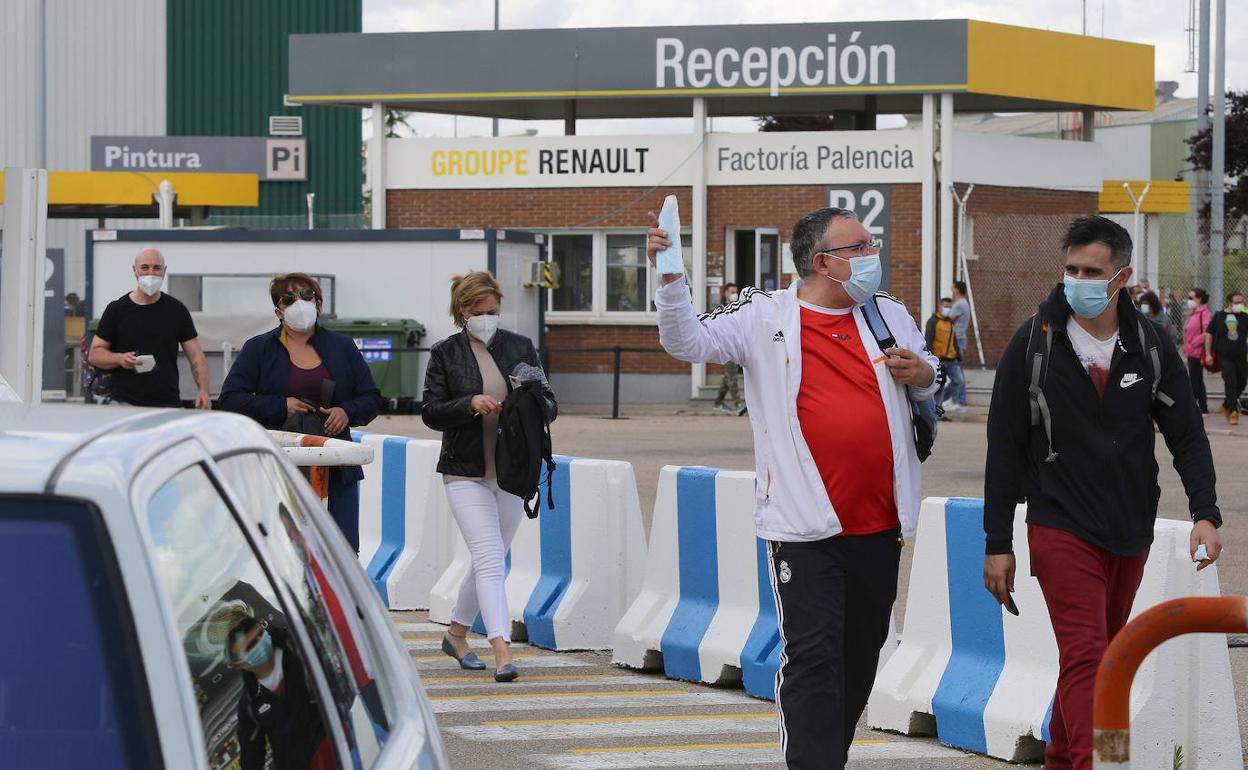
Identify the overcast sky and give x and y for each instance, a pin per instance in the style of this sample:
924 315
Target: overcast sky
1157 22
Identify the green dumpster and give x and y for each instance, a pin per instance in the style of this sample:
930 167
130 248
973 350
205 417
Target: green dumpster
396 373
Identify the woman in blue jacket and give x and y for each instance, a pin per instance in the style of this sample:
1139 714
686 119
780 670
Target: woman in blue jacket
280 373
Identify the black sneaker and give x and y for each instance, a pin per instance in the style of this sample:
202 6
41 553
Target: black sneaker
742 411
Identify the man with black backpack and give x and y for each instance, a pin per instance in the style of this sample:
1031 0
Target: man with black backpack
837 378
1070 432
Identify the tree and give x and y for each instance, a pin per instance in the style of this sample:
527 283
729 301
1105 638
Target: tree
1201 157
795 123
394 119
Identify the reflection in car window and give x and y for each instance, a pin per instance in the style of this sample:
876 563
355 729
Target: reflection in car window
257 703
265 491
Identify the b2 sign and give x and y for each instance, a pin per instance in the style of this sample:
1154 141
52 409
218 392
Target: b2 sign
872 204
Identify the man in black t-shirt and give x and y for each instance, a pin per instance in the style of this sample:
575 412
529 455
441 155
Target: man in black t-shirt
1226 338
138 338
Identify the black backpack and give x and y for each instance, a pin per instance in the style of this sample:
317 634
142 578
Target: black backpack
1040 343
523 444
923 414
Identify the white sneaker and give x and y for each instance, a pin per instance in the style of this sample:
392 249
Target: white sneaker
952 407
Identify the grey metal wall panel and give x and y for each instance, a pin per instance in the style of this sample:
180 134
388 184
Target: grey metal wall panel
21 84
105 75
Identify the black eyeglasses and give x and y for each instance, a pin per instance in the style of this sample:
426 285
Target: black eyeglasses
867 248
288 299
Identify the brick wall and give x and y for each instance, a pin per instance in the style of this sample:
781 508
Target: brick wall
1018 259
777 206
561 336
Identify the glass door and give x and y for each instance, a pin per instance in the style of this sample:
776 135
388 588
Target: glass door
756 259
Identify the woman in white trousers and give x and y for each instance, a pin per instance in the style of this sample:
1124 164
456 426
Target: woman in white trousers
465 386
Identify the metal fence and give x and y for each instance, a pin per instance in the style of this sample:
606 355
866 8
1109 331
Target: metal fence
1012 262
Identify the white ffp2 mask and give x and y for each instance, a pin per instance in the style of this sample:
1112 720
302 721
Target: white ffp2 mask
150 284
300 316
483 327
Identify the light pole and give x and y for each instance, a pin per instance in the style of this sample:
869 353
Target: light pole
494 122
1218 172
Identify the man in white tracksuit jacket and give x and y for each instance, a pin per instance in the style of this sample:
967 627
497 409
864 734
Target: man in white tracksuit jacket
838 474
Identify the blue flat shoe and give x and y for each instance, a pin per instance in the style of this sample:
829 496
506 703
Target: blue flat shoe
469 661
508 673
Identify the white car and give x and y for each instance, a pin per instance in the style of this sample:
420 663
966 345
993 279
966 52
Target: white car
175 596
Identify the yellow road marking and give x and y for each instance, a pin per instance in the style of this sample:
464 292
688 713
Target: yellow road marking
546 678
612 720
696 747
562 694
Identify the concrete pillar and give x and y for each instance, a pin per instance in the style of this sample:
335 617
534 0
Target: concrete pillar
21 283
698 225
377 165
946 194
927 228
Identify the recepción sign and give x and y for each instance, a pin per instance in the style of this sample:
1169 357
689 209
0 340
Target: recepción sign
637 161
273 160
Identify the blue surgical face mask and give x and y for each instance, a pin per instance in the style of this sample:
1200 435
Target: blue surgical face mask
1088 297
261 653
864 277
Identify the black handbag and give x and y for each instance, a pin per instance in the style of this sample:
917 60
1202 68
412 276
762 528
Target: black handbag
312 423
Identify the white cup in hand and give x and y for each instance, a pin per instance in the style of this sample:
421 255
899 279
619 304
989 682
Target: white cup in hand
145 363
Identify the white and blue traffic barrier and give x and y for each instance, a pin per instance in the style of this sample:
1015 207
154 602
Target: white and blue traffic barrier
983 680
573 571
706 611
407 534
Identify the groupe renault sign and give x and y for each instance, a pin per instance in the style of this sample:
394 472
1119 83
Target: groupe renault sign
272 159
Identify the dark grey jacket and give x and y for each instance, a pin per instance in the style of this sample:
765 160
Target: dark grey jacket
452 379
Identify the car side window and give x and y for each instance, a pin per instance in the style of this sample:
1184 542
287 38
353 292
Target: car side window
72 688
257 702
268 497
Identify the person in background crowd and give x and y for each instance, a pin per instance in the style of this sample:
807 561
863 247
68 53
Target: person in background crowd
730 386
1089 472
1175 313
1149 305
1198 318
285 372
836 492
138 338
943 343
73 306
955 378
465 386
1226 345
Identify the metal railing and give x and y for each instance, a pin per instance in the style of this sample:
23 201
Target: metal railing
1111 710
617 353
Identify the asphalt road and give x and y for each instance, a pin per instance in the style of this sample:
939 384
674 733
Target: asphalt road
576 710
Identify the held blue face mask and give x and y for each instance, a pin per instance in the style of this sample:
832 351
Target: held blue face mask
1088 297
261 653
864 277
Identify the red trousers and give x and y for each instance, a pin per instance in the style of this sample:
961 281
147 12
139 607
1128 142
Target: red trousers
1089 592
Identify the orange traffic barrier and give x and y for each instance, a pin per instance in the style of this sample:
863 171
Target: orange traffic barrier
1111 710
318 475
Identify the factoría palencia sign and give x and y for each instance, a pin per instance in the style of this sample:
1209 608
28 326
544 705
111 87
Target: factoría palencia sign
643 161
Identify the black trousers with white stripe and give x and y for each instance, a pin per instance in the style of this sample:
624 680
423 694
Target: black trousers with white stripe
834 598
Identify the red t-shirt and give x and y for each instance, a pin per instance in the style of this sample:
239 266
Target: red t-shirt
843 420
